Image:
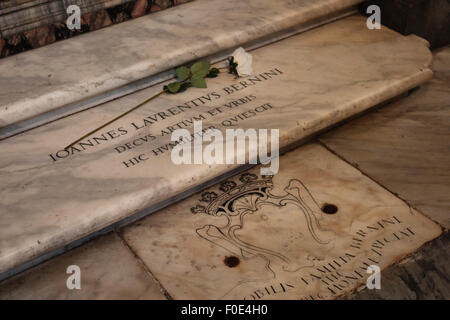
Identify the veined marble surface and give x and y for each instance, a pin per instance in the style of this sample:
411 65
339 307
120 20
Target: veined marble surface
66 72
307 83
415 133
108 270
274 238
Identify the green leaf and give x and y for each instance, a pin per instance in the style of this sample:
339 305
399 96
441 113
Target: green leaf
200 69
213 72
182 73
174 87
184 86
198 82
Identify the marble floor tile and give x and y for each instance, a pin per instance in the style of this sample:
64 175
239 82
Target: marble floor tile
108 271
422 276
50 197
47 78
309 232
405 146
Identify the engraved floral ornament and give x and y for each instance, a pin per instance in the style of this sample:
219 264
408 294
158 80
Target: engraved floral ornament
238 64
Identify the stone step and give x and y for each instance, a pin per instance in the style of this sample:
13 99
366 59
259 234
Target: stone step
249 237
52 198
72 75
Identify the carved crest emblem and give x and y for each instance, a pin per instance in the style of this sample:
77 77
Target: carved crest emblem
234 199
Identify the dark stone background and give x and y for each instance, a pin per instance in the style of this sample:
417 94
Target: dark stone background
429 19
48 34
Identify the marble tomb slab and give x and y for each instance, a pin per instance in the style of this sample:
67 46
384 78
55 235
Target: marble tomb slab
415 133
108 270
308 232
50 197
44 79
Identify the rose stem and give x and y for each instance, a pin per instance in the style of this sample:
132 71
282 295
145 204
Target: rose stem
116 118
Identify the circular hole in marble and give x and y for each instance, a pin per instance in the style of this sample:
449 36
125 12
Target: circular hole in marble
329 208
231 261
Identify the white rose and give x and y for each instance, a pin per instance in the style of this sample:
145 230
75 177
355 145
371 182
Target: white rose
244 61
